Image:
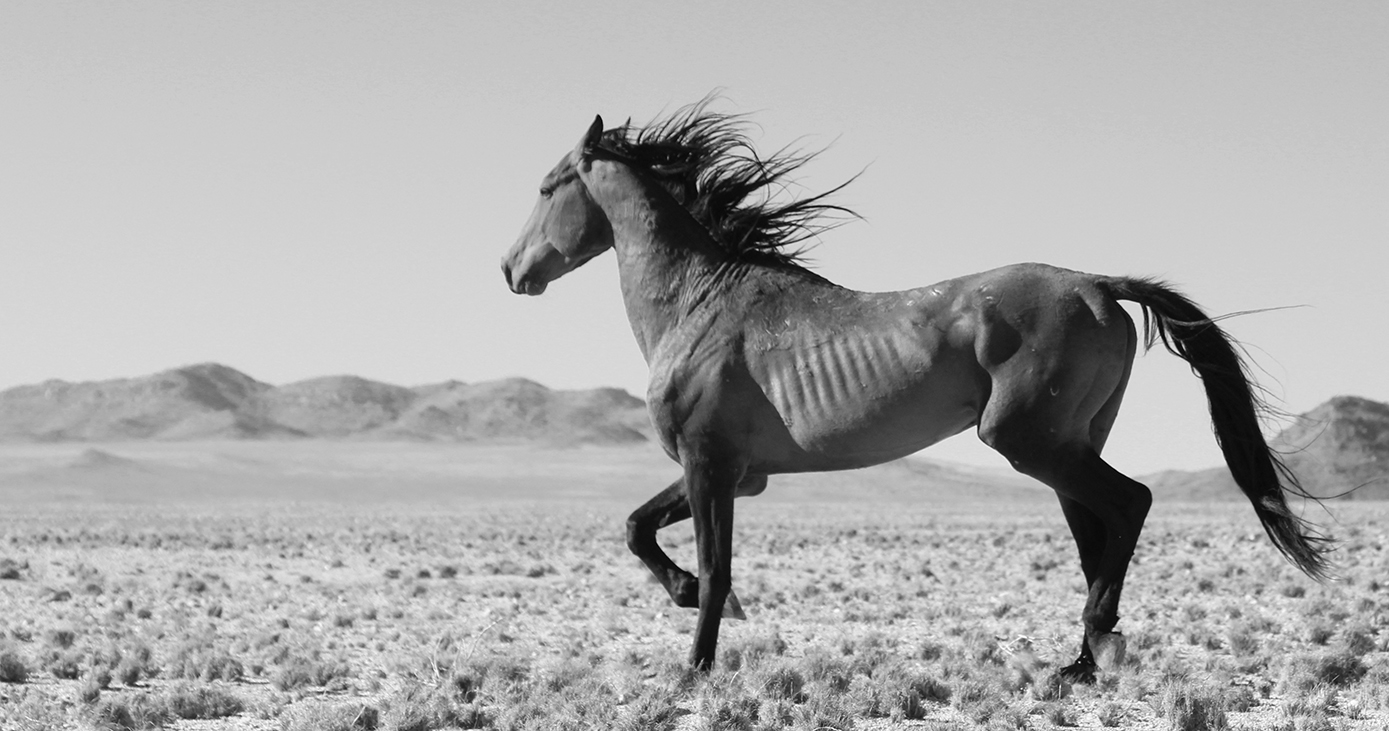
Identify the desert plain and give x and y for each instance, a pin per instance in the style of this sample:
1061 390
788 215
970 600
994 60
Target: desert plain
405 585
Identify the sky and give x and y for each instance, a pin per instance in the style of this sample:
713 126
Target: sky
307 189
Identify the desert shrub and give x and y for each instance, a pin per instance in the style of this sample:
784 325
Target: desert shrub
909 691
196 661
1051 687
62 638
1110 714
977 699
134 712
509 671
827 670
301 672
653 709
11 570
1318 700
100 676
866 697
1320 634
752 650
1243 642
555 676
135 664
1057 714
586 703
425 708
724 706
779 681
1239 699
12 667
129 672
823 712
330 717
1358 639
193 700
64 665
90 692
1332 668
1193 707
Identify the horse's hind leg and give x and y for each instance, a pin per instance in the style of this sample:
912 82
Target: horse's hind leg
670 506
1086 528
1105 511
1088 531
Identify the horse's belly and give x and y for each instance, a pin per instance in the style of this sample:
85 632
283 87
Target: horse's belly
856 437
852 404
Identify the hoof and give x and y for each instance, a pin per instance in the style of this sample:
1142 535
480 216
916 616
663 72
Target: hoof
1109 650
732 609
1080 672
684 591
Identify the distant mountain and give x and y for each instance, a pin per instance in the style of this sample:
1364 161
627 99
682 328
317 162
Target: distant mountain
525 409
195 399
1340 446
211 401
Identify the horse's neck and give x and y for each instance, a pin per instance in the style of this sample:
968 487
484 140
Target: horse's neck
667 262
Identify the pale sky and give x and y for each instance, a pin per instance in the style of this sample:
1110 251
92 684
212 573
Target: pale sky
305 189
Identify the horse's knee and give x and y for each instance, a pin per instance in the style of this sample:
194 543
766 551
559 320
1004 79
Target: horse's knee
638 535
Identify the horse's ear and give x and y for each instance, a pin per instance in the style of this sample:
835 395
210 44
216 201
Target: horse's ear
591 137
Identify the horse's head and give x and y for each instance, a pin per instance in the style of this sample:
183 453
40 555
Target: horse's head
566 229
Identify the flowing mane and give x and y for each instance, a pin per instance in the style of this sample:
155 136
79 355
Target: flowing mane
706 161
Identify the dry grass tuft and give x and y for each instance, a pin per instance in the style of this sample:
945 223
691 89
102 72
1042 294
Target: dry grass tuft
12 667
1191 706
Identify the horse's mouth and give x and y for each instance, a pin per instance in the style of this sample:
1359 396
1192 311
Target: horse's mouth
532 288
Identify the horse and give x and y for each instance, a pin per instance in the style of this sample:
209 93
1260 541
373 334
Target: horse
759 366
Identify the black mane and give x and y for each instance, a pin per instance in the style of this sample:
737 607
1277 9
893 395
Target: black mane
706 161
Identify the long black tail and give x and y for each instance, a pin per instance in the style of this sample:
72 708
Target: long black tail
1236 408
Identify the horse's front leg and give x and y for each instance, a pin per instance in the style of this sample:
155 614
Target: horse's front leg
666 508
711 483
669 506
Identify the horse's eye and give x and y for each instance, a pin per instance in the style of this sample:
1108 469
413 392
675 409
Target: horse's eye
546 191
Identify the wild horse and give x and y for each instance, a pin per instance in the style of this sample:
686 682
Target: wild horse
760 366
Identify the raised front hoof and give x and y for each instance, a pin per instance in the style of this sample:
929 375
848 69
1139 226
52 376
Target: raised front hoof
1081 672
684 591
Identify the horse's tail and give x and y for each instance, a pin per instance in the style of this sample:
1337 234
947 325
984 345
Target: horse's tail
1236 408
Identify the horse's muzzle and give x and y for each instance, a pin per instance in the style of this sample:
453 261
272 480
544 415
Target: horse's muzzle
521 285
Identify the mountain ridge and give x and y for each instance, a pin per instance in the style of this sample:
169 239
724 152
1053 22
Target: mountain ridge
214 401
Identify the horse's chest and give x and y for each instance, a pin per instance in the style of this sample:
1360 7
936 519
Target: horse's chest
688 390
